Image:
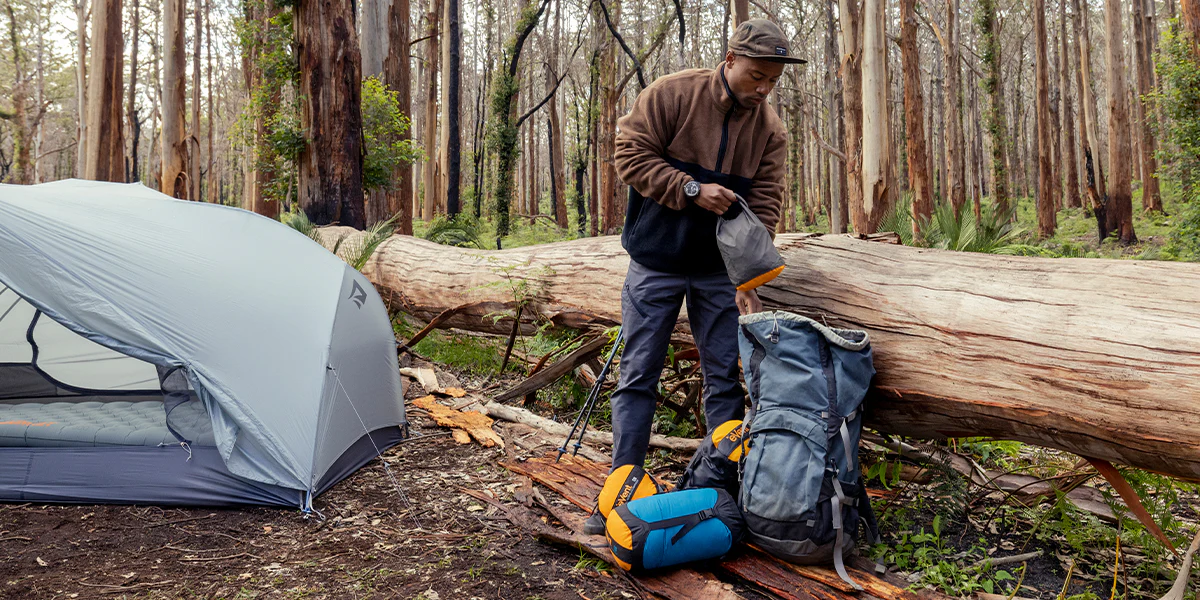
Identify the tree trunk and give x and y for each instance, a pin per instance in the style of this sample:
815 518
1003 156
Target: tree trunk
259 172
1119 208
852 98
397 70
175 171
955 142
81 55
133 125
741 12
608 130
22 171
208 169
1081 385
1092 154
330 165
876 148
194 138
556 137
450 159
374 45
432 176
914 113
1047 215
1142 30
834 119
105 138
1071 162
994 115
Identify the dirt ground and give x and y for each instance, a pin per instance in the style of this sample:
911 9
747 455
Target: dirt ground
369 544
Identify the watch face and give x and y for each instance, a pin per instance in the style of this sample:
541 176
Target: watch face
691 188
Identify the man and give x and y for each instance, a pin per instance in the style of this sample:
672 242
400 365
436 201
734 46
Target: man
691 141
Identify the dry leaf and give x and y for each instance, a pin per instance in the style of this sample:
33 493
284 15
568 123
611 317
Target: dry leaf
42 563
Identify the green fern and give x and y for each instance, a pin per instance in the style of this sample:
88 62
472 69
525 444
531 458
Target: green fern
461 230
359 251
299 221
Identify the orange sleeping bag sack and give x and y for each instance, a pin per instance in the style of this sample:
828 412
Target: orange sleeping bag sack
625 483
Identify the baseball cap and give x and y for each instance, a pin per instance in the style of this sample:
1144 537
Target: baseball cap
762 39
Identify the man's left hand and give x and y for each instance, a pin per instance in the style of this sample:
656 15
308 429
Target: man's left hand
748 302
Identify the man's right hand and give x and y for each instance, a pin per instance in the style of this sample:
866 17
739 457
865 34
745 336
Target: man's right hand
714 197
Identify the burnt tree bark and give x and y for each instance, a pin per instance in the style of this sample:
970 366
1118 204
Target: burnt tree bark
330 165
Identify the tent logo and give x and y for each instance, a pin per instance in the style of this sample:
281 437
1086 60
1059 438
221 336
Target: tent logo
358 295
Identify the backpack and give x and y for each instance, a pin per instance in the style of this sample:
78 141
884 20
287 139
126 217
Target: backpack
674 528
715 463
802 493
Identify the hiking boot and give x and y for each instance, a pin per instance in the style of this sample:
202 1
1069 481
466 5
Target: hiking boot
594 525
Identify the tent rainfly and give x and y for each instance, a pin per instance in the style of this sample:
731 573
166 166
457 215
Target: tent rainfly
157 351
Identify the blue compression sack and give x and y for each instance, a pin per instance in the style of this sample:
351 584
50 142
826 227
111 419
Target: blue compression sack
671 529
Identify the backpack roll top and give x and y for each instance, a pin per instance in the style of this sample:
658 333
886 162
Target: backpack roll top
715 463
802 493
626 483
672 529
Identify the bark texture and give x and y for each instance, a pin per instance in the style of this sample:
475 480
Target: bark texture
330 166
1119 208
914 112
1046 196
1143 29
965 344
397 73
852 99
105 138
876 148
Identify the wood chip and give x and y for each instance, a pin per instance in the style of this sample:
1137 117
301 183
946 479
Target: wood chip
461 436
477 425
424 376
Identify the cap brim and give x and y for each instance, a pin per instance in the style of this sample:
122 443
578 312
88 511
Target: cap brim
791 60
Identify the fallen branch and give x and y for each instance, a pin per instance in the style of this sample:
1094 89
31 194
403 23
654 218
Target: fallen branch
1007 560
519 415
1185 570
552 373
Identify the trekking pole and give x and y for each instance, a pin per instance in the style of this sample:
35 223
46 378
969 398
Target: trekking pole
585 413
596 392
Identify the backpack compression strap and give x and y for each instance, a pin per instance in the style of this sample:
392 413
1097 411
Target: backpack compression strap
839 542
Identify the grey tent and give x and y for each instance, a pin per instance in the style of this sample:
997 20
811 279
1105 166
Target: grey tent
160 351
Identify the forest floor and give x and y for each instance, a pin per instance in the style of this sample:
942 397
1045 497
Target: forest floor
424 537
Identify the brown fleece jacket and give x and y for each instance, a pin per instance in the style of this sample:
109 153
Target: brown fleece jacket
688 125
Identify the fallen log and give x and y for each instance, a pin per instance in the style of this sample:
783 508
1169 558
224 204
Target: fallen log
518 415
1092 356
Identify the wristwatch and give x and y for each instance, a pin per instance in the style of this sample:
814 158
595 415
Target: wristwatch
691 189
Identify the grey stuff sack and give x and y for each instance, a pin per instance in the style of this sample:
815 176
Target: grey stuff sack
802 493
746 246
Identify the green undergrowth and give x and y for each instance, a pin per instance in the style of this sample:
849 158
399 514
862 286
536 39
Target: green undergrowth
941 533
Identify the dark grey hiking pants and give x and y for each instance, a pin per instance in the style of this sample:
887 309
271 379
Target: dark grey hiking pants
650 303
